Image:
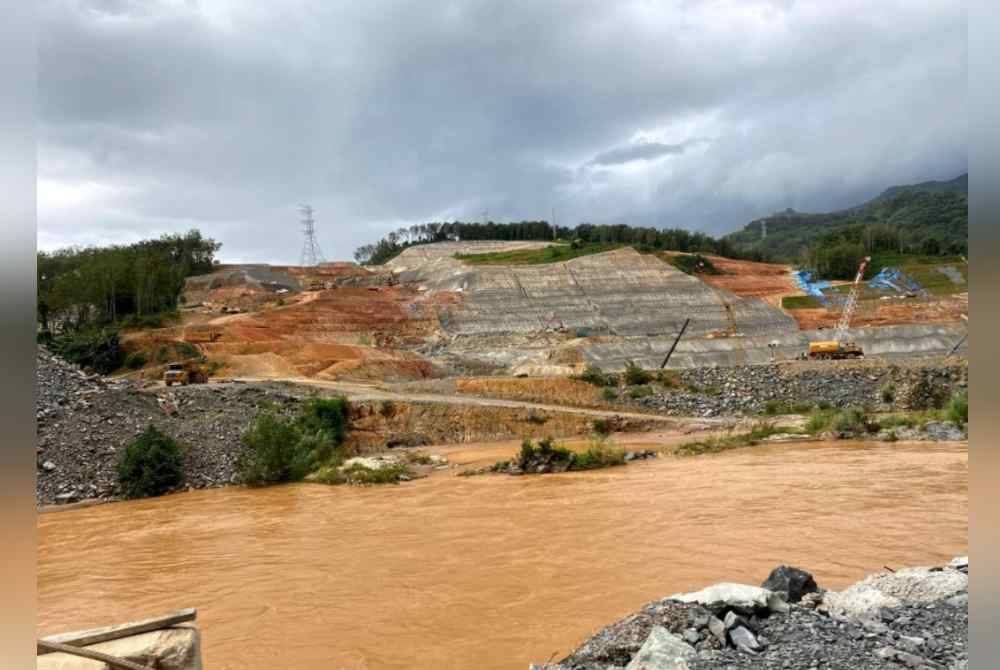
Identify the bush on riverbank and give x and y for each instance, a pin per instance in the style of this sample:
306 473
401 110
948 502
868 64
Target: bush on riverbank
281 449
152 465
958 408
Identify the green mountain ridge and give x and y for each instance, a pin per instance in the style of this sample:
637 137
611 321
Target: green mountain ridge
930 218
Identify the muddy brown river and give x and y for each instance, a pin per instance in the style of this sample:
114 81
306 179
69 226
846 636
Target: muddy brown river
491 571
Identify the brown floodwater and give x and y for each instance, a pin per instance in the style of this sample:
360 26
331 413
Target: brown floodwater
491 571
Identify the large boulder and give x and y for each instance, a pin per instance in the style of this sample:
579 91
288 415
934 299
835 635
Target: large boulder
910 586
743 598
662 650
790 582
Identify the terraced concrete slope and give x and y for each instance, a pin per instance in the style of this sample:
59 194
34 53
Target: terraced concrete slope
616 293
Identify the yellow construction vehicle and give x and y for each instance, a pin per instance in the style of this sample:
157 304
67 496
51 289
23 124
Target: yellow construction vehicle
838 348
186 373
833 349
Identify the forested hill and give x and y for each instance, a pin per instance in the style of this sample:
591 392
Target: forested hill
930 218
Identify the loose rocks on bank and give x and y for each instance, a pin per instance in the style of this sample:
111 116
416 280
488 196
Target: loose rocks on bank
923 624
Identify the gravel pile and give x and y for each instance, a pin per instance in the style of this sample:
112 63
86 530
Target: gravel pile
84 423
748 389
733 626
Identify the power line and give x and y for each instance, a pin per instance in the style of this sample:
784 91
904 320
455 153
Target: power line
311 253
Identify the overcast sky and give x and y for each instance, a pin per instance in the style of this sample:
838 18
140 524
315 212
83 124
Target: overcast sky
163 116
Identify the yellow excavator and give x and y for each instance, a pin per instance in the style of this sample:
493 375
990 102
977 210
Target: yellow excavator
839 348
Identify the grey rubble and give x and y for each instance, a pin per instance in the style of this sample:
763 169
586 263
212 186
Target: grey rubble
925 628
84 422
747 389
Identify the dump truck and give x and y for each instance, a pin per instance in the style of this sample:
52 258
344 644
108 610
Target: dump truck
834 350
184 374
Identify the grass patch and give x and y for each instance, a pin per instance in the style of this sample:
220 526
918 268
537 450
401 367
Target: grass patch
800 302
637 392
668 379
609 394
713 445
551 254
362 475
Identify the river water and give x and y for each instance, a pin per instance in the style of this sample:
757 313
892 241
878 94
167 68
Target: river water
491 571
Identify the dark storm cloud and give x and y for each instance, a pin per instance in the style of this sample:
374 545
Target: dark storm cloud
160 116
642 151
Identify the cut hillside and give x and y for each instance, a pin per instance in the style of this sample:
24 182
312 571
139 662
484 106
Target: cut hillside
428 313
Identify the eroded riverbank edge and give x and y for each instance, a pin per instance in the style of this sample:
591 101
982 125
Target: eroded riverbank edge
908 618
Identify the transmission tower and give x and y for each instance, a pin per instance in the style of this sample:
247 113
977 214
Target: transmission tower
311 253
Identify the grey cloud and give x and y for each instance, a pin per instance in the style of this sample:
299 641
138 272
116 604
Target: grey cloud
158 117
641 151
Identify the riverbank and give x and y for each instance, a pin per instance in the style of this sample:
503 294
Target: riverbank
911 618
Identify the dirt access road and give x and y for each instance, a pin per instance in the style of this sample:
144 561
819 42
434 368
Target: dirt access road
363 392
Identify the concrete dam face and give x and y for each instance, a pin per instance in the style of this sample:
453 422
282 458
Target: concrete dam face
607 308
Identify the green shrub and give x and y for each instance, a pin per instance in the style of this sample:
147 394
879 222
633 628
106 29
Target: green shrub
328 418
537 419
162 354
545 449
958 408
596 376
637 392
850 420
636 376
273 451
600 454
602 426
694 264
151 465
135 360
98 350
387 408
888 393
608 393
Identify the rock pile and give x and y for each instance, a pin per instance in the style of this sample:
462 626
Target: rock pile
714 391
84 423
918 620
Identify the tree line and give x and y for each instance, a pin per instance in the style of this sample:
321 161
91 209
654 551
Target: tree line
668 239
91 287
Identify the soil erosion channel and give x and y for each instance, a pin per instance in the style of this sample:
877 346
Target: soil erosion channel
492 571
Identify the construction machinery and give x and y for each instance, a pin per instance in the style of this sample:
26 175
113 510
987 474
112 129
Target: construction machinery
189 372
839 348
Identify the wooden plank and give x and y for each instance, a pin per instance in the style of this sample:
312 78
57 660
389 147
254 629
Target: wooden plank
96 635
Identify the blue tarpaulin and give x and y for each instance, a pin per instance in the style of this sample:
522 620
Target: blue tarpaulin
804 280
893 279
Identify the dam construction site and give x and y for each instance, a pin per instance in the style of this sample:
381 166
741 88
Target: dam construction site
451 310
570 433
